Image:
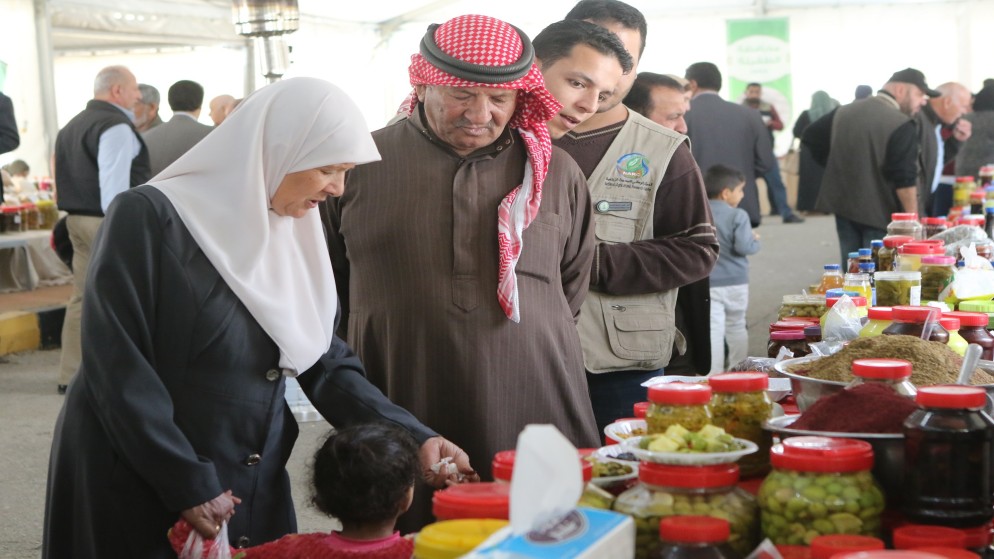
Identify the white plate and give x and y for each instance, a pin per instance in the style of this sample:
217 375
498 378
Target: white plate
604 454
631 444
621 430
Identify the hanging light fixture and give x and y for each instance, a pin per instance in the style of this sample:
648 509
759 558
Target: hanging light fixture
268 22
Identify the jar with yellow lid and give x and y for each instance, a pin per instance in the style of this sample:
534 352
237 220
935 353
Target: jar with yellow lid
450 539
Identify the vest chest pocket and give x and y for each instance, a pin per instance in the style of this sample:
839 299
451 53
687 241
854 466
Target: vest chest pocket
613 229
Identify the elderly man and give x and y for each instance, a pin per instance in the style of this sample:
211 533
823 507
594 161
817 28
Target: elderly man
653 231
464 255
98 155
174 138
941 114
219 107
147 109
870 152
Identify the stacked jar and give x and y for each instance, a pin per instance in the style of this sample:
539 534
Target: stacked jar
905 224
962 189
794 341
887 255
666 490
977 202
740 406
812 306
678 403
819 486
937 275
909 255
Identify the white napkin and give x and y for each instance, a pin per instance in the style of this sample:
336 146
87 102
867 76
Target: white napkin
547 480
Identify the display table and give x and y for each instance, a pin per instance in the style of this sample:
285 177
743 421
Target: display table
27 261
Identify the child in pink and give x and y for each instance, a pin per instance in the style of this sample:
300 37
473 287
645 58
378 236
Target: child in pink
364 476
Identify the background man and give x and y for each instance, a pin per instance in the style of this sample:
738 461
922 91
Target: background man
9 137
147 108
776 192
98 155
444 296
653 230
728 134
660 99
940 114
168 142
220 106
870 152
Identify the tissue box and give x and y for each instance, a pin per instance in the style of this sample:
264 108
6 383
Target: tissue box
583 533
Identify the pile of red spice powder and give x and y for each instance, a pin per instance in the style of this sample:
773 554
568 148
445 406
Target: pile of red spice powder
865 408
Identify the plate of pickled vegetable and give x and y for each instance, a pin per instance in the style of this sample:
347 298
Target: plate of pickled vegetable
613 464
680 447
623 429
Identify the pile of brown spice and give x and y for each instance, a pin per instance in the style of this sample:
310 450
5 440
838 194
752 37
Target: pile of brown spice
931 362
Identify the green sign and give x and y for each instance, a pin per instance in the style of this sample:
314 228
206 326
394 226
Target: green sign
759 51
3 73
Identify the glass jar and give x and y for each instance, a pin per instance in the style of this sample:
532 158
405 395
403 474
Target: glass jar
472 500
502 467
664 491
852 263
973 328
947 451
986 307
793 340
48 214
887 255
740 406
859 283
819 486
898 288
956 342
879 320
962 189
977 202
695 537
825 547
937 274
909 255
905 224
802 305
894 373
910 321
781 325
934 225
678 403
986 176
875 246
10 219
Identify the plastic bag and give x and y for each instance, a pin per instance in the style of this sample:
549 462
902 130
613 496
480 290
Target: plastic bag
198 547
842 321
975 280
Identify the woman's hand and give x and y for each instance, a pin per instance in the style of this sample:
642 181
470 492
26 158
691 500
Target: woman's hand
207 517
434 452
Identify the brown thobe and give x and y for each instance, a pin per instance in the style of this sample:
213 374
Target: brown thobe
414 244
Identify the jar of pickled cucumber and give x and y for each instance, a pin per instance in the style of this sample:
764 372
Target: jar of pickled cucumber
801 305
819 486
740 406
678 403
665 491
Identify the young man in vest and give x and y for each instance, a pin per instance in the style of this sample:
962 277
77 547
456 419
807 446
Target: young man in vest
653 231
98 155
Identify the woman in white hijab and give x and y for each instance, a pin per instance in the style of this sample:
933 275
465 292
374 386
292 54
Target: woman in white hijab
205 288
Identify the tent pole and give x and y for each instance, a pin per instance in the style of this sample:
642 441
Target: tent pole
46 74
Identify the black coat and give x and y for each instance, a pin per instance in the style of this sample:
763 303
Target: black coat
179 397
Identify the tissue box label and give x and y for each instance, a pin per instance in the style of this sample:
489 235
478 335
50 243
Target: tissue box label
577 534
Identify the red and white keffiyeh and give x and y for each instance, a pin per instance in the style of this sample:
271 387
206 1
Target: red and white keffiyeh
486 41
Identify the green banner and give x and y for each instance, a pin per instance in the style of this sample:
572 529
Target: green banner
759 51
3 73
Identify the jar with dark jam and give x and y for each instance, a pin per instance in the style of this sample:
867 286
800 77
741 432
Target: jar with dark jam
678 403
973 328
695 537
947 451
794 340
934 225
911 321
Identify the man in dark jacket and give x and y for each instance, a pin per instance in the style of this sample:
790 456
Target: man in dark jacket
9 138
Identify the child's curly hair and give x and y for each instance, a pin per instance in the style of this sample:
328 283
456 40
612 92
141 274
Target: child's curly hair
362 473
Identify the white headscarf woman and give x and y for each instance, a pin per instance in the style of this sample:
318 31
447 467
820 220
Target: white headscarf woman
254 225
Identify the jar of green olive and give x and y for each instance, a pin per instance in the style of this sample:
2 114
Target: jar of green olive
678 403
740 406
664 491
818 486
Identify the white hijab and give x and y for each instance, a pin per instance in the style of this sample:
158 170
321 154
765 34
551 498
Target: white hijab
277 266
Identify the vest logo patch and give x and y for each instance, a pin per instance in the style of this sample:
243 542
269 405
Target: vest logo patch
633 166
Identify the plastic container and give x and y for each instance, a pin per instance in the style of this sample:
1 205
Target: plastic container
894 373
640 409
879 320
852 263
937 274
859 283
910 321
694 537
812 306
453 538
934 225
794 340
812 334
986 307
947 451
794 551
781 325
472 500
740 406
911 536
664 491
797 503
905 224
858 300
973 328
887 255
502 467
830 278
898 288
678 403
956 342
909 255
962 189
826 547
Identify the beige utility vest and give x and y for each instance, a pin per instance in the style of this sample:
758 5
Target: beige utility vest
629 332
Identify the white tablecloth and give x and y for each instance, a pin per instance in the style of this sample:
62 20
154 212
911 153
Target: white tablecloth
27 261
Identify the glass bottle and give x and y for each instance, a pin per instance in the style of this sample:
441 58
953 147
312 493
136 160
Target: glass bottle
875 246
947 451
831 278
890 372
852 263
961 191
695 537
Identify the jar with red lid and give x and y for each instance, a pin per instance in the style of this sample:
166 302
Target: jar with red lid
948 443
10 219
911 536
911 321
819 486
962 188
793 340
934 225
973 328
640 409
664 491
909 255
782 325
905 224
502 467
879 318
825 547
893 373
887 255
956 342
972 220
740 406
678 403
937 274
472 500
695 537
812 334
977 202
